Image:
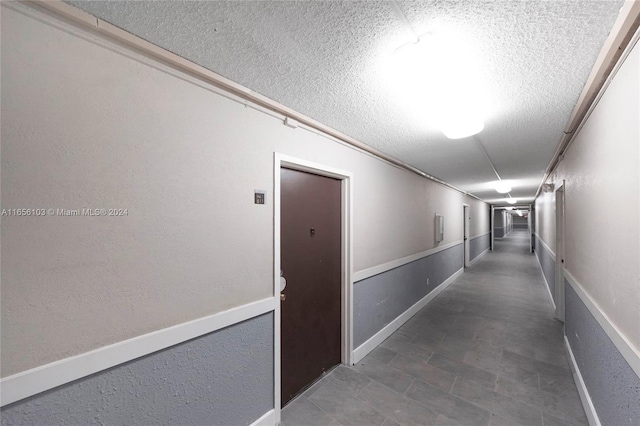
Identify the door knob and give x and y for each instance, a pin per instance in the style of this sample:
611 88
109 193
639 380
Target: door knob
283 297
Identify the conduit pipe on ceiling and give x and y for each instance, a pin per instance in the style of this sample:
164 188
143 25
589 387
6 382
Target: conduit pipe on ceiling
621 35
400 14
115 33
484 151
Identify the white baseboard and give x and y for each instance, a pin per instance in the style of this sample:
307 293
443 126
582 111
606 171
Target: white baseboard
587 404
267 419
546 283
48 376
364 349
478 257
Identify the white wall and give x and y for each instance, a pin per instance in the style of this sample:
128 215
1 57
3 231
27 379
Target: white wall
88 124
480 215
546 218
602 195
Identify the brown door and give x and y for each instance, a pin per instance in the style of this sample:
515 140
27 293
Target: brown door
310 230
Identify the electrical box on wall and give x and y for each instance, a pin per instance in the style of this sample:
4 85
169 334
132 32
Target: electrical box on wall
439 228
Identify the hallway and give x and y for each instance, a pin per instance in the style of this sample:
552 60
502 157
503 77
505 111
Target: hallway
486 351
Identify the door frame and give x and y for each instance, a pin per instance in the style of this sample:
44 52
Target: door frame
530 224
491 225
466 230
346 178
560 251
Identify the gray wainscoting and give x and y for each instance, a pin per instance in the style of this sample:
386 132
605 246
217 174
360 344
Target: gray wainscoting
548 265
380 299
479 244
222 378
499 232
613 386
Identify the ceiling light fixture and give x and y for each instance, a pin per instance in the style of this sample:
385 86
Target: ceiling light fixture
502 187
511 200
433 76
456 128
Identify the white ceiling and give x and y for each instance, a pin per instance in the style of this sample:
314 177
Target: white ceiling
326 59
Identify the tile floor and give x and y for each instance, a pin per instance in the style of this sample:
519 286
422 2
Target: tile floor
486 351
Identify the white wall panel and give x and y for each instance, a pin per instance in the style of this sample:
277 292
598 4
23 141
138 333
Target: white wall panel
602 195
86 124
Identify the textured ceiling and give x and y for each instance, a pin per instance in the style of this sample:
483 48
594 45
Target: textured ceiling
327 60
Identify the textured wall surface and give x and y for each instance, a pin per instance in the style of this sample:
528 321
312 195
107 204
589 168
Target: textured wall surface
546 218
599 253
380 299
479 217
478 245
548 264
291 51
88 124
613 386
222 378
499 232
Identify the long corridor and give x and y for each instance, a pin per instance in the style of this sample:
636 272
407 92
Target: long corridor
486 351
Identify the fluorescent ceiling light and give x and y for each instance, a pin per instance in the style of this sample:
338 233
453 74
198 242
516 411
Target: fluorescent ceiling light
511 200
455 128
502 187
436 81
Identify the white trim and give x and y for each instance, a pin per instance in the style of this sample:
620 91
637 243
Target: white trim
560 242
551 252
475 259
530 228
587 404
466 238
624 345
375 270
267 419
364 349
281 160
491 228
277 357
49 376
546 283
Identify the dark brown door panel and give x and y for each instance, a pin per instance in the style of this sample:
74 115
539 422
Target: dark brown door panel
311 262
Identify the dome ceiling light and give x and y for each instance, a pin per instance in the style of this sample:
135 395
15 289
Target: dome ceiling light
434 75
